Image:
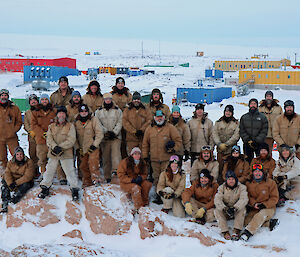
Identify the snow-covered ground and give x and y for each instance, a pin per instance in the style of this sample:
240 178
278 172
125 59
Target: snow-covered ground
287 234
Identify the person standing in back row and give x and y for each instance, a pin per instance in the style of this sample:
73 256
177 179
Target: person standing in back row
93 97
10 124
253 130
201 129
157 103
63 95
271 109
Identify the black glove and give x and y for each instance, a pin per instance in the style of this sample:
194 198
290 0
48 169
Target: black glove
186 155
297 146
170 146
147 160
138 180
279 179
57 151
170 196
230 212
139 133
261 206
161 193
92 148
112 135
12 186
252 144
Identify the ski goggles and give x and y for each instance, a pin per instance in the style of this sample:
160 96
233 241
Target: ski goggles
257 166
206 148
174 158
32 96
235 148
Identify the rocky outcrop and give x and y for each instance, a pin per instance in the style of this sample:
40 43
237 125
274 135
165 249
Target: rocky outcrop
75 233
107 209
155 223
73 214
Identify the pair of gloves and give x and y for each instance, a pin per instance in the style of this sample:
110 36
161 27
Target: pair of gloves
139 134
230 211
57 151
167 195
252 144
279 179
110 135
138 180
170 146
199 214
222 147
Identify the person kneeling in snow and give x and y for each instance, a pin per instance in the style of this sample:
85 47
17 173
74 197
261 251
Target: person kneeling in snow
61 137
170 186
263 196
287 175
230 201
132 172
18 177
199 198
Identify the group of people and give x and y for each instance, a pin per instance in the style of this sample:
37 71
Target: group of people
144 145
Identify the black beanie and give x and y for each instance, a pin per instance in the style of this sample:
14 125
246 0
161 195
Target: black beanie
229 108
205 173
136 96
264 146
199 106
120 79
253 100
229 174
289 103
269 93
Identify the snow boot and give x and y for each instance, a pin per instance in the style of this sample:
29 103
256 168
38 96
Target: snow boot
75 195
273 224
236 235
16 197
246 235
63 182
44 192
4 208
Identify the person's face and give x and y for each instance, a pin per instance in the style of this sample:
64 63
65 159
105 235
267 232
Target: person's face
159 119
33 102
174 166
228 114
107 100
204 180
120 85
285 153
93 88
61 116
257 174
156 96
289 109
235 154
263 153
206 155
199 112
230 181
253 105
63 85
4 98
269 97
136 102
176 115
76 99
136 155
44 101
83 113
19 156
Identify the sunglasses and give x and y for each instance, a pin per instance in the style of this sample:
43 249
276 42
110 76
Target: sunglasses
257 166
206 147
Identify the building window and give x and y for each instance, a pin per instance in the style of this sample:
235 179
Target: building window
245 76
277 76
259 76
267 76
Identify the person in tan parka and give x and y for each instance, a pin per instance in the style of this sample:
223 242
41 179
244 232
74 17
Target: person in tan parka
226 134
157 103
33 102
61 138
170 186
161 140
263 196
42 117
72 107
237 163
207 161
271 109
110 119
93 98
230 201
286 128
63 95
136 118
10 124
265 159
132 172
18 177
89 136
178 122
199 198
201 129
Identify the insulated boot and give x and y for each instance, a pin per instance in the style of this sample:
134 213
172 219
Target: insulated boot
4 208
44 192
273 224
246 235
115 178
16 197
75 195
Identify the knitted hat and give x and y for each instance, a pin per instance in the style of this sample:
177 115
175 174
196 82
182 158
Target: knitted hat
76 93
229 108
205 173
18 150
289 103
199 106
253 100
135 149
61 109
120 80
264 146
63 78
44 96
107 95
83 107
269 93
32 96
285 147
136 96
4 91
159 113
175 108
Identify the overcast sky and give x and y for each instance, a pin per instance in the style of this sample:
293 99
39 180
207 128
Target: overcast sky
254 23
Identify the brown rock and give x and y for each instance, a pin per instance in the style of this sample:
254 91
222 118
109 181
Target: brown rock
107 209
75 233
73 214
155 223
4 253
